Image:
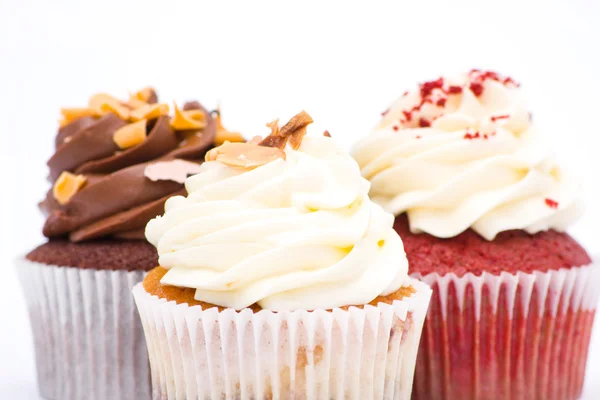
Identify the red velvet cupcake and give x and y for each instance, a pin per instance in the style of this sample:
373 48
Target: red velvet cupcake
482 209
115 164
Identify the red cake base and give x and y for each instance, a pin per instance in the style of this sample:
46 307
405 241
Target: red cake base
528 356
499 327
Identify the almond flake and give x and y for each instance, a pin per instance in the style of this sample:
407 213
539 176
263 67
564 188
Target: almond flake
244 155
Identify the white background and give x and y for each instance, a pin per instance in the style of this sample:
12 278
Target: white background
341 61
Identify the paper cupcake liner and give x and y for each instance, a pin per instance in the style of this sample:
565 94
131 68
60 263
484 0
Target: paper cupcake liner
357 353
512 336
89 342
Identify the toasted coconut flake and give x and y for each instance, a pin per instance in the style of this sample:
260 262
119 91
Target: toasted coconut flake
134 103
298 121
103 103
66 186
118 108
278 142
187 120
130 135
326 134
150 111
296 138
274 126
71 114
147 95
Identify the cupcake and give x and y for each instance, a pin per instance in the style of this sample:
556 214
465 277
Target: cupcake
279 278
482 209
115 164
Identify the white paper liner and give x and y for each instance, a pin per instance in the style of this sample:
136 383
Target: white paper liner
359 354
89 342
522 335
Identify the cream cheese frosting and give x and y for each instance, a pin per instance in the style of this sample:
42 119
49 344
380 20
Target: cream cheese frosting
298 232
463 153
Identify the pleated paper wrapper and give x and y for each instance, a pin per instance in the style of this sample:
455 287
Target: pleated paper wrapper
508 336
357 353
89 342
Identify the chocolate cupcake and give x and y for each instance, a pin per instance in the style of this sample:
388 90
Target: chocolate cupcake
280 278
482 209
115 164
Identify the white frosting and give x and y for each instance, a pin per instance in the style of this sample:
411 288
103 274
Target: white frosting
299 233
480 164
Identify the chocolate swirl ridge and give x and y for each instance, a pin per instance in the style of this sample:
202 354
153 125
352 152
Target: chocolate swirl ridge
117 199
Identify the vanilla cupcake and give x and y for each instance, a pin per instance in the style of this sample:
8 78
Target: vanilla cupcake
279 278
482 208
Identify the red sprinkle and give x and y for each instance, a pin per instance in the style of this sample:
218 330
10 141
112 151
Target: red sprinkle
427 87
476 88
395 127
551 203
497 117
476 80
418 137
383 114
405 94
477 77
471 136
509 80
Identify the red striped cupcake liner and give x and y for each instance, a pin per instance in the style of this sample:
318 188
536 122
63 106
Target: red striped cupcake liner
507 336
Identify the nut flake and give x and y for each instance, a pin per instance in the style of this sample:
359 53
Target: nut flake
66 186
187 120
130 135
150 111
244 155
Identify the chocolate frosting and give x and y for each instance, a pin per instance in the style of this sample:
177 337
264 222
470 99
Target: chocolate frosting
117 199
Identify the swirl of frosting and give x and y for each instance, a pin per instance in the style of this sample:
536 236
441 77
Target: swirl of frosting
297 232
118 198
462 153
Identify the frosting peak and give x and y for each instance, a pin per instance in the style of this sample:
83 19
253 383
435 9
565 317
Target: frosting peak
462 153
297 231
